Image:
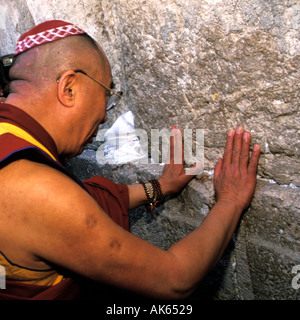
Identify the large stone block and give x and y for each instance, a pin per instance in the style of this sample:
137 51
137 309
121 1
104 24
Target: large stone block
275 215
270 268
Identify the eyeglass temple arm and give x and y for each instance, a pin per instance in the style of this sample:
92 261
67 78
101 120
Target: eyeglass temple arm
102 85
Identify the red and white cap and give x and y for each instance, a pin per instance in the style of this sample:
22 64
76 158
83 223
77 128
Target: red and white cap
46 32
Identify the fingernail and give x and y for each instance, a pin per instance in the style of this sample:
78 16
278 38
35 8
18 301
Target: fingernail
246 136
231 132
239 130
173 127
256 147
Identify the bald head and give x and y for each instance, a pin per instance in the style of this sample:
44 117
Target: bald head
40 66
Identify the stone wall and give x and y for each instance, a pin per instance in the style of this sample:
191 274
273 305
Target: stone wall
208 65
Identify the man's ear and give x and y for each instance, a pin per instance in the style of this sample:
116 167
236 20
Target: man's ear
66 88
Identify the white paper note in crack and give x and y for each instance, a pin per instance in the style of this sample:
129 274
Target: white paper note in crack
122 143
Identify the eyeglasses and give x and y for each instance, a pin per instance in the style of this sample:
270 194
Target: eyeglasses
114 96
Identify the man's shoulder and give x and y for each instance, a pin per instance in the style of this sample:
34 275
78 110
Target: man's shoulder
42 209
32 184
24 172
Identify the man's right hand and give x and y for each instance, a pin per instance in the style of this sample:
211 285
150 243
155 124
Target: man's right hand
235 175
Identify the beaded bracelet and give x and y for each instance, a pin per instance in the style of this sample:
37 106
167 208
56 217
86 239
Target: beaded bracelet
154 194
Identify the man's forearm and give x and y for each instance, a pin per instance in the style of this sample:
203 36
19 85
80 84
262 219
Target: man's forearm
213 235
201 250
137 196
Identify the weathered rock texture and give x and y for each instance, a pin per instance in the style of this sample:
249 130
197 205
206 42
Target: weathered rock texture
203 65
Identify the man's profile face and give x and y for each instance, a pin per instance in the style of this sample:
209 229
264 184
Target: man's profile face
94 100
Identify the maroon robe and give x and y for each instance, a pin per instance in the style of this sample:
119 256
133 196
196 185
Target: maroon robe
112 198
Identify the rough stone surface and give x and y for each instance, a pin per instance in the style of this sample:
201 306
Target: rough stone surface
206 65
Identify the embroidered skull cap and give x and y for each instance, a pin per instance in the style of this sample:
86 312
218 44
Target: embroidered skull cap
46 32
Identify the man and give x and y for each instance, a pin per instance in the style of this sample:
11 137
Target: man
54 229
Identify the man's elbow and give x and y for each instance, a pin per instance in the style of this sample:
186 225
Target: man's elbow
181 286
180 293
